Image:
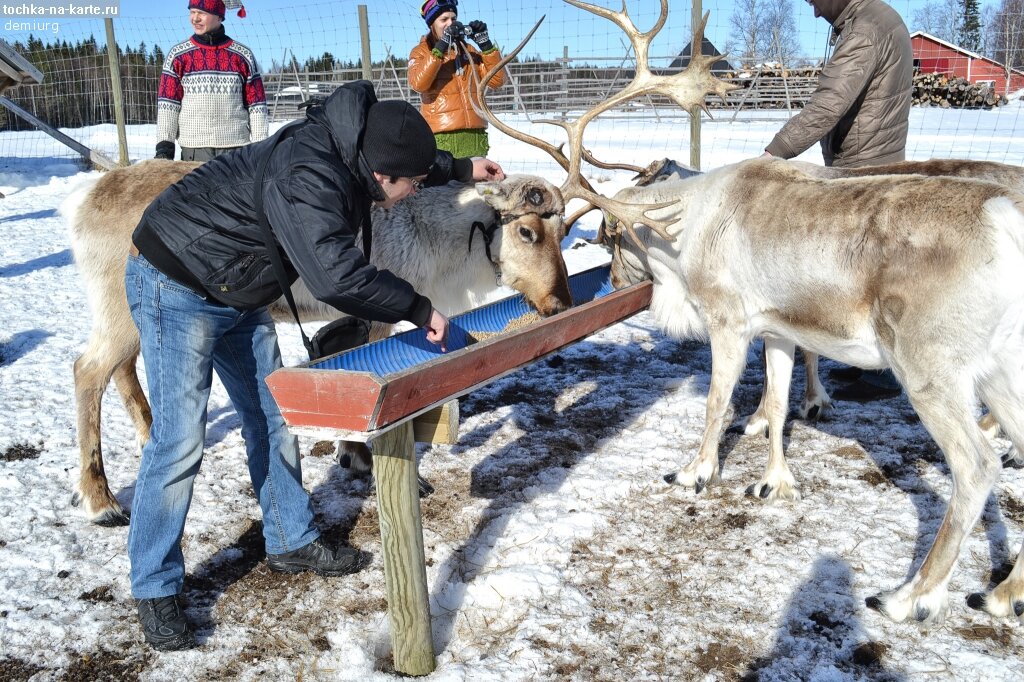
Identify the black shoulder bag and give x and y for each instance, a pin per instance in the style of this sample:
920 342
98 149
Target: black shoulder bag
337 336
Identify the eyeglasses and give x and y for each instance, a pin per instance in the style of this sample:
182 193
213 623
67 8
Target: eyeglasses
416 184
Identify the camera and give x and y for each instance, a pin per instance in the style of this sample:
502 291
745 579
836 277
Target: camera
461 30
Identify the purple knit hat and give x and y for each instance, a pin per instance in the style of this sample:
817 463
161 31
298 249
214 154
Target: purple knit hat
432 9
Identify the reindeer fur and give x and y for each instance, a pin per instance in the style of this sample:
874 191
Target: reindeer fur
425 239
921 274
816 401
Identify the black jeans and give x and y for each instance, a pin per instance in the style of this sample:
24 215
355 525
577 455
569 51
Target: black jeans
202 153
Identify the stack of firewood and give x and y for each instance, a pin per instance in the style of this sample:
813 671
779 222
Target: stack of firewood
943 90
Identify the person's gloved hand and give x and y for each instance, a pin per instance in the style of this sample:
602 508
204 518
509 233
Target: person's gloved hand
447 39
165 150
313 101
480 36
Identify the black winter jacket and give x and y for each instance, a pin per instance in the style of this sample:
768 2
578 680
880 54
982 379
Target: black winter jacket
203 231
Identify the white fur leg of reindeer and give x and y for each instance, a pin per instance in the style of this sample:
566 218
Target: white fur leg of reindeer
921 274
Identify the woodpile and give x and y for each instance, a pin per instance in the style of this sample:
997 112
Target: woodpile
771 86
943 90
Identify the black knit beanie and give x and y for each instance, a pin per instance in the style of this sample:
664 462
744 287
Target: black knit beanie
397 140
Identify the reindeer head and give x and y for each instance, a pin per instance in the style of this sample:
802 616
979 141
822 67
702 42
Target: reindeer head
665 169
687 88
530 211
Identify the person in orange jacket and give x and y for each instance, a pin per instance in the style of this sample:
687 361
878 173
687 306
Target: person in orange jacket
440 70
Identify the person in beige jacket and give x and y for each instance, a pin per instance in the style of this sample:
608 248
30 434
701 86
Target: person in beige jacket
860 109
441 69
860 113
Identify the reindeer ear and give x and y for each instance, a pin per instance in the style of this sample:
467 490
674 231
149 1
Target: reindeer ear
495 194
490 189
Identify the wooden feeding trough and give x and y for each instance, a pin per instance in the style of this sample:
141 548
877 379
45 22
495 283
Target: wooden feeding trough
377 390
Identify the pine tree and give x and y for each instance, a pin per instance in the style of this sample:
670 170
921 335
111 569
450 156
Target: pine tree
970 26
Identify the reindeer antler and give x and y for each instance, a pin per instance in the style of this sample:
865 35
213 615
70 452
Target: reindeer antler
687 88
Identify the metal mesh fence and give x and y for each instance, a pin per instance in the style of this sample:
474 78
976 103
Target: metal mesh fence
575 60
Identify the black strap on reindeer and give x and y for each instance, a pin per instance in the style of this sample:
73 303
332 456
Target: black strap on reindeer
487 235
313 348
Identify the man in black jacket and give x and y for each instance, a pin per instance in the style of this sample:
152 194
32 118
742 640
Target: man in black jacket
198 282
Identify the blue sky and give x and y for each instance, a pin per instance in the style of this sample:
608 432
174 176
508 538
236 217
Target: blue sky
310 27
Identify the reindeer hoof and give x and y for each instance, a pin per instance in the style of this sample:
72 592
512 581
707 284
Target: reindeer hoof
1018 608
699 485
762 491
424 485
812 414
670 478
345 461
76 499
874 603
976 601
922 614
112 519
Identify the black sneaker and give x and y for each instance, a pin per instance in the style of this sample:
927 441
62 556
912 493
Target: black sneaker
164 625
318 558
863 392
845 373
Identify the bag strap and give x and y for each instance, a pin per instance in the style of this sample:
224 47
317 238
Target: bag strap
268 237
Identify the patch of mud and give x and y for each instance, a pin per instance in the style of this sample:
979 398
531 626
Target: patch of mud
851 452
100 594
1000 635
718 657
322 448
869 654
21 451
106 666
873 477
16 669
1012 508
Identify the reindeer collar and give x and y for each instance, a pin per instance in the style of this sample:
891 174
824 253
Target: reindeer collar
487 234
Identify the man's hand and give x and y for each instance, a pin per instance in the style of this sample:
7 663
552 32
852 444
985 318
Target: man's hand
437 329
480 37
165 150
486 170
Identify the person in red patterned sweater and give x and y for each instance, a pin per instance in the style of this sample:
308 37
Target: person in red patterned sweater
211 95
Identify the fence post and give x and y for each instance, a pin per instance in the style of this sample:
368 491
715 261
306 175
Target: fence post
696 49
364 38
115 84
401 537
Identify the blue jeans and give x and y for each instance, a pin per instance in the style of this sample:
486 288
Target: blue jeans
184 338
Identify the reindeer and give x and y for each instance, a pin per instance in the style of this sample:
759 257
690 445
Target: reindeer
816 400
921 274
430 239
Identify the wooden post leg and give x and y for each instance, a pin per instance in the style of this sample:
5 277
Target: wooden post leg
401 532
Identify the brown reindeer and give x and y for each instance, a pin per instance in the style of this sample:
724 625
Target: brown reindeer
428 239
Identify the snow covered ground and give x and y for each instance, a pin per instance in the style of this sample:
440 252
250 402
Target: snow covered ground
554 549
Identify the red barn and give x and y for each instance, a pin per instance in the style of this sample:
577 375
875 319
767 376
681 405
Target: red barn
934 55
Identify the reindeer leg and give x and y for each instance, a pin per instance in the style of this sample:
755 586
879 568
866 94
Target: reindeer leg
816 400
945 405
126 378
757 423
1001 394
92 371
728 354
777 483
